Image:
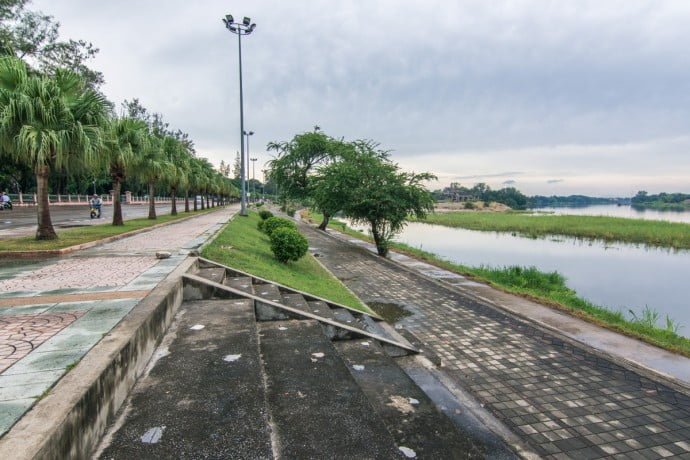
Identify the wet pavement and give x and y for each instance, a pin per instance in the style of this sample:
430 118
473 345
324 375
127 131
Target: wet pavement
52 312
566 400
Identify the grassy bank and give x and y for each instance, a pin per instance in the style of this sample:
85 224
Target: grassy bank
242 246
551 289
74 236
654 233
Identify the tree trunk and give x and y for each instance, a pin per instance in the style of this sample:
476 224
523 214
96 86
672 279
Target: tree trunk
324 223
152 202
202 201
381 244
195 205
173 209
186 200
45 229
117 206
208 206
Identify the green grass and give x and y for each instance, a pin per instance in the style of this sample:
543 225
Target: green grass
241 245
650 232
551 289
73 236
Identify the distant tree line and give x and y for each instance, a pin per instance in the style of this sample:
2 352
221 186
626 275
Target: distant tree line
540 201
670 201
510 196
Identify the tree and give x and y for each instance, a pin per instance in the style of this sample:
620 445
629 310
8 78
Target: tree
34 37
49 123
294 166
178 156
374 191
151 166
127 141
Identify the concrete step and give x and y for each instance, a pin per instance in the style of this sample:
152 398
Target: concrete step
317 409
322 309
296 301
408 413
241 283
215 274
206 398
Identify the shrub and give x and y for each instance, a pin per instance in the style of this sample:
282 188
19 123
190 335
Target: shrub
273 223
260 225
259 204
288 244
265 214
469 205
290 212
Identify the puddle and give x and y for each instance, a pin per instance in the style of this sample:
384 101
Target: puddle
391 312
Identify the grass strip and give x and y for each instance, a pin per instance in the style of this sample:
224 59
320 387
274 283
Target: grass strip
74 236
549 289
241 245
650 232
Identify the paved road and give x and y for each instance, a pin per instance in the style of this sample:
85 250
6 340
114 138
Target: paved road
562 399
22 220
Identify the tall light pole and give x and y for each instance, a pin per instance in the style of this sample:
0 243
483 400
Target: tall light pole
239 29
247 134
253 160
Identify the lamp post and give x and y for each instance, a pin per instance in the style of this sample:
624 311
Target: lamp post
247 134
239 29
253 160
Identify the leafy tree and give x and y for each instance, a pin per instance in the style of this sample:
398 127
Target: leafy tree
48 124
294 166
152 166
374 191
35 38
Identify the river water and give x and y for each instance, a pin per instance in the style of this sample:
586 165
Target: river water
620 211
614 275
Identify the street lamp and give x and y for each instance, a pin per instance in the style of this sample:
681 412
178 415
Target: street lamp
253 160
94 186
247 134
239 29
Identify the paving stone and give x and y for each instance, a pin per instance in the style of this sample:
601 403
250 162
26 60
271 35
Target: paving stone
521 373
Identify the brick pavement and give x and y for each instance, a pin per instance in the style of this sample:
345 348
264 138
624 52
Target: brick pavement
563 400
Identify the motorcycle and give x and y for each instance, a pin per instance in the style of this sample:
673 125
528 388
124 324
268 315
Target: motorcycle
6 205
95 212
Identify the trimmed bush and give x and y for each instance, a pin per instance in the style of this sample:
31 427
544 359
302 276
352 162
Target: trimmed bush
273 223
288 244
260 225
265 214
290 212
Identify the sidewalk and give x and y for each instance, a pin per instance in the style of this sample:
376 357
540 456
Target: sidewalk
53 312
565 399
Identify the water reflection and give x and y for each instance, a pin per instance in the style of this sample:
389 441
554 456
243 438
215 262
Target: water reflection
613 210
615 275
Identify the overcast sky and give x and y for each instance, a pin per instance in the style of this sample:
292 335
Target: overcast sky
552 97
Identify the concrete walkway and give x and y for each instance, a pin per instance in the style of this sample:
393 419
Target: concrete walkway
567 400
53 312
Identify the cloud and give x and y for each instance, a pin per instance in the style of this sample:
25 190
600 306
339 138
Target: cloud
554 181
509 182
482 87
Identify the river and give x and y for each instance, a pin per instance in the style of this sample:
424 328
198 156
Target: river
620 211
615 275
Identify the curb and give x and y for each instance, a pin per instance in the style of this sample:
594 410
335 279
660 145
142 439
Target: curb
58 252
645 371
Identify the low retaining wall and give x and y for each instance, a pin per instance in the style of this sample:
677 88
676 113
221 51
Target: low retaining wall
70 421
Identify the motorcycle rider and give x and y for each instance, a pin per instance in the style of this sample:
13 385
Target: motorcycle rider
5 202
96 203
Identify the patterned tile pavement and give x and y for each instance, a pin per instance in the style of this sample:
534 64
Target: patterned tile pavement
561 399
21 334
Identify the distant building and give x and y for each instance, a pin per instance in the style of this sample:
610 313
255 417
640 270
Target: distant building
457 193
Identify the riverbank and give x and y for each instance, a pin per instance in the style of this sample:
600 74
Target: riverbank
610 229
549 289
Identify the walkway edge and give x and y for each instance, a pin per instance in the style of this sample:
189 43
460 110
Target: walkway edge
646 371
70 420
90 244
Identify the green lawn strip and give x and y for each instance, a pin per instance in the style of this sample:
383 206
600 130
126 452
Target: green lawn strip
650 232
241 245
546 288
74 236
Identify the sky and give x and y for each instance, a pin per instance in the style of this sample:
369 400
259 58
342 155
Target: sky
552 97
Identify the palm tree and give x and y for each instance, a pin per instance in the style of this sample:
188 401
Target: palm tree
151 167
48 123
179 157
126 141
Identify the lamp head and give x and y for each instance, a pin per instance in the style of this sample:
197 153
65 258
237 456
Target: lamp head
251 28
246 21
229 19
